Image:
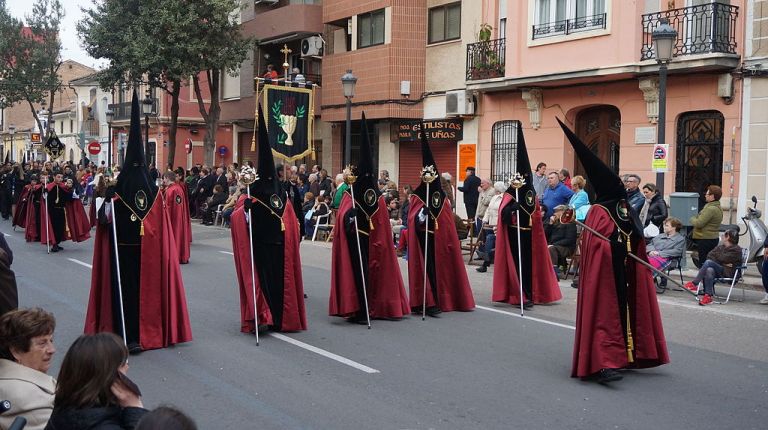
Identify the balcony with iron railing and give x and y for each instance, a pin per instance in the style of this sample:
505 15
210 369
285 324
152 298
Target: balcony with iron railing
90 128
703 29
569 26
122 111
485 59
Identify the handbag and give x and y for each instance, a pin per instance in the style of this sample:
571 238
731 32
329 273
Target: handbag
650 231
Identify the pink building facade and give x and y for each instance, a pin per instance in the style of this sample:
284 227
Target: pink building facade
595 69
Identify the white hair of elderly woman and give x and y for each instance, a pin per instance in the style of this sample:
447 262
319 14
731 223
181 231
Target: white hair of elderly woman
500 186
446 176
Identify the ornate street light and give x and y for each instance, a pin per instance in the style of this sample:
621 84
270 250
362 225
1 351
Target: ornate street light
664 39
348 82
146 109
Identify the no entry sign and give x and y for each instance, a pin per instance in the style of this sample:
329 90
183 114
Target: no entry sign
94 147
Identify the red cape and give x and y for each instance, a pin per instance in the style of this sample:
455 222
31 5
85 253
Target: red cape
385 289
30 215
294 315
599 341
180 223
506 287
450 272
77 224
163 318
20 216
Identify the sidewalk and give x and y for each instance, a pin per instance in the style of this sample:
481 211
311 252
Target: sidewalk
752 279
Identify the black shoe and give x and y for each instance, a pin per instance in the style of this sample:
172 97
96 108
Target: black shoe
134 348
482 269
528 304
55 248
358 319
433 311
608 375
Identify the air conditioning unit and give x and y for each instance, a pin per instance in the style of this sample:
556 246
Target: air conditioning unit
312 46
266 1
458 103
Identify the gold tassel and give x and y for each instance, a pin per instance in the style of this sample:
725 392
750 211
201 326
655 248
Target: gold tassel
629 244
370 224
436 226
282 225
630 342
141 229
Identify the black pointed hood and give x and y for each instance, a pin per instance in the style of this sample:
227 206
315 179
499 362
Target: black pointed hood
134 184
609 189
366 190
527 193
436 194
267 188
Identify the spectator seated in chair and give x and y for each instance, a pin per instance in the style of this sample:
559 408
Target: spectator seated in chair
561 239
721 262
394 213
229 206
487 239
668 245
319 209
219 197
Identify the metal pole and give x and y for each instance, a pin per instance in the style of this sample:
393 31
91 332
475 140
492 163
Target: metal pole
662 128
47 214
348 140
426 259
360 258
109 147
253 267
520 255
117 266
146 140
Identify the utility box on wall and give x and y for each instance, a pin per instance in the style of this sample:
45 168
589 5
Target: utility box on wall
683 206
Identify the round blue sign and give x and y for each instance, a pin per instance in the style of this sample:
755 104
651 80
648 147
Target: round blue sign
222 150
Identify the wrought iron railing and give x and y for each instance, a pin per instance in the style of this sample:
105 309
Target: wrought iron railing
90 127
569 26
485 59
123 110
708 28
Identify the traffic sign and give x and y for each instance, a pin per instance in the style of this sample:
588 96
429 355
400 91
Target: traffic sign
94 147
188 145
660 158
222 150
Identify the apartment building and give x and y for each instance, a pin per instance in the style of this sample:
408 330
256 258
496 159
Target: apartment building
591 63
754 163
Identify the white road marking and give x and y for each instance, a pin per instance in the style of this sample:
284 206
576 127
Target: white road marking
80 263
527 317
325 353
6 235
227 252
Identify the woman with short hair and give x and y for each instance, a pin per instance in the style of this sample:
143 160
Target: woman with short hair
26 351
654 209
93 391
706 225
667 245
579 201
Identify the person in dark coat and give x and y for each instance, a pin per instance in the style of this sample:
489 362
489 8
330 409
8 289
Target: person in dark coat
471 192
654 209
93 391
9 295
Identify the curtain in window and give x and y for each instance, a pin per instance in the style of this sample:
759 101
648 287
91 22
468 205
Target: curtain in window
453 22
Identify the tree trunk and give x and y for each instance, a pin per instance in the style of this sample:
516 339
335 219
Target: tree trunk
211 117
176 90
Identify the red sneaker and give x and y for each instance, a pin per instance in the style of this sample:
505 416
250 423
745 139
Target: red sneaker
706 299
690 286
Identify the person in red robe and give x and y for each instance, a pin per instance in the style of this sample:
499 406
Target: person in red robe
65 215
185 195
618 324
150 291
378 279
273 270
539 280
33 220
20 213
430 215
179 213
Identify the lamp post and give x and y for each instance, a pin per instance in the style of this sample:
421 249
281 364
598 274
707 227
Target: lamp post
664 38
348 81
146 108
12 129
110 115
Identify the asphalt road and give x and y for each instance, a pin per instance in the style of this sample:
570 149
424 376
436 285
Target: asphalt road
487 369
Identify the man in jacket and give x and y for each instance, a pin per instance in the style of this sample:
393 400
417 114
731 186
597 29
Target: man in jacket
555 194
471 192
561 238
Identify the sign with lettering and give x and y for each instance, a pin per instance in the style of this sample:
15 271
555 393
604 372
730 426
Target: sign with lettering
34 137
660 158
467 154
443 129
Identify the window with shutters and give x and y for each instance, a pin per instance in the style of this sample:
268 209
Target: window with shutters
445 22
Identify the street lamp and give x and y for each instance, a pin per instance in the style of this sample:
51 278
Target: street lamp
348 81
110 115
12 129
664 38
146 108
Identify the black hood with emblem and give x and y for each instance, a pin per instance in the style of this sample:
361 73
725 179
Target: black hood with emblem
527 193
267 188
609 189
365 189
134 184
436 195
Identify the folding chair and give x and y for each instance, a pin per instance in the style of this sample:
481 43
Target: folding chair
218 215
738 277
674 263
322 224
575 258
